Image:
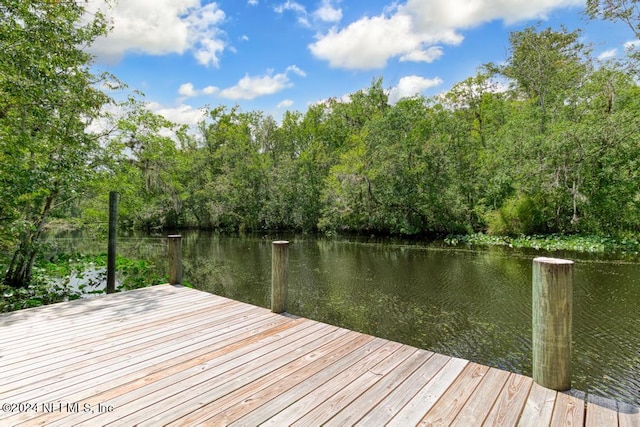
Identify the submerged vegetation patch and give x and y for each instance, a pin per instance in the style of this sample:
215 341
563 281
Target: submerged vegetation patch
67 277
552 242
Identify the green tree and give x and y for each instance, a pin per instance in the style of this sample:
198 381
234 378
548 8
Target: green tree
228 182
48 95
146 166
545 67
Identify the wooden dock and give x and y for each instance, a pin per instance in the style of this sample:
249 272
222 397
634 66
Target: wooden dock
178 356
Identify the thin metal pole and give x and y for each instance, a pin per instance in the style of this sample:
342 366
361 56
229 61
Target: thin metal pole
111 252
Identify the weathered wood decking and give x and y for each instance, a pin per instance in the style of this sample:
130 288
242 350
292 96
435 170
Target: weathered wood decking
177 356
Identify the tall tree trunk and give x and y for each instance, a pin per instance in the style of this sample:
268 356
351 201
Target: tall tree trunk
21 267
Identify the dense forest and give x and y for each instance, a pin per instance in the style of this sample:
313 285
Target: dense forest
548 141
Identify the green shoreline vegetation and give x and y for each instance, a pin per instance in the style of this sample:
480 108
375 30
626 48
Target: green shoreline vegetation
553 242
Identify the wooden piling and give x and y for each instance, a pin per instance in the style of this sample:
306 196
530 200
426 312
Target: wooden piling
552 322
111 250
175 259
279 273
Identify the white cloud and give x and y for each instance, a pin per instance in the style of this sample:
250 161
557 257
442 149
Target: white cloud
297 8
253 2
411 31
183 114
159 27
411 86
327 12
296 70
459 14
187 90
285 104
291 5
210 90
370 42
204 35
607 54
427 55
250 87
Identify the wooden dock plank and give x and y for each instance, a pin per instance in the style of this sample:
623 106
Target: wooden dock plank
569 409
143 402
270 404
325 401
234 397
601 412
538 409
242 377
343 398
449 405
178 356
249 398
237 365
171 363
403 393
508 408
479 404
88 354
365 402
628 415
427 396
304 412
68 375
70 336
71 312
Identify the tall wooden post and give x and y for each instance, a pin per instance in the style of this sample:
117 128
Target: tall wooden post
279 273
111 251
175 259
552 322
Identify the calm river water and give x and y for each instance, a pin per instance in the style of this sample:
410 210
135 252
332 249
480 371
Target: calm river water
470 303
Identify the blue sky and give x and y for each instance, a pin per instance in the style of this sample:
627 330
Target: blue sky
278 55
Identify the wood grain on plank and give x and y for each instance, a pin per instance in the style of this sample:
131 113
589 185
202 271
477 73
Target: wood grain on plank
569 409
429 394
511 400
177 355
447 407
538 409
270 405
379 391
479 404
330 348
405 391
